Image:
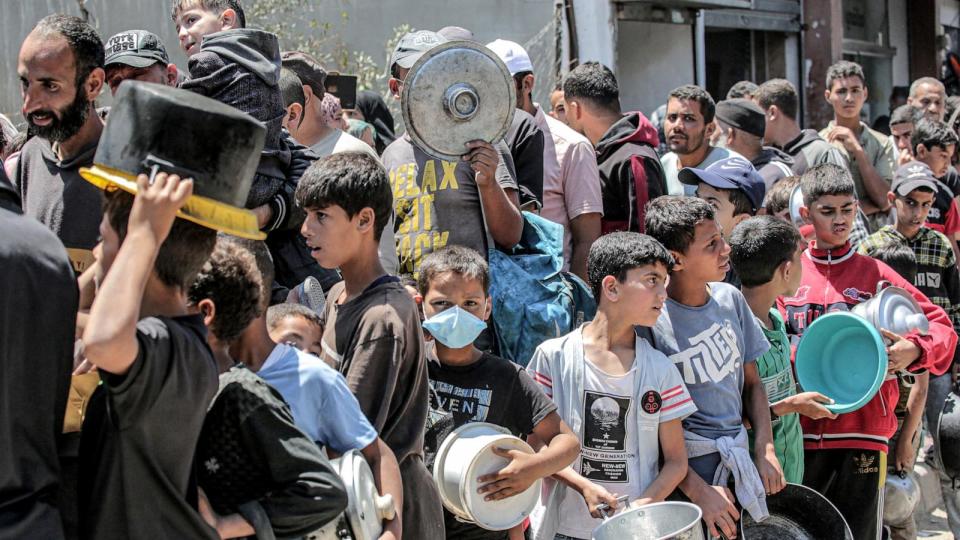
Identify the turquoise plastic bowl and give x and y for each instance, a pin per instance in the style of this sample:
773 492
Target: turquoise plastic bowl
843 357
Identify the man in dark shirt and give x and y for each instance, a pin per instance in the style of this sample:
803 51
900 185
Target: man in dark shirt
630 171
37 286
61 74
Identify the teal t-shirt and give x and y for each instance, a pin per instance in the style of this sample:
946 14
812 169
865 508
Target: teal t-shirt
777 376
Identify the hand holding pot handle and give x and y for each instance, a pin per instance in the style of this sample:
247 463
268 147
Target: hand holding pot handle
901 352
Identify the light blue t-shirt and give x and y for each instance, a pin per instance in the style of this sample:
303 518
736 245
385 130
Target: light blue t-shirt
321 402
709 345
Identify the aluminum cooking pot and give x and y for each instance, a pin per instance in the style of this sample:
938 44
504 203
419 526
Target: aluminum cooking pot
457 92
657 521
796 203
797 513
893 309
366 509
901 494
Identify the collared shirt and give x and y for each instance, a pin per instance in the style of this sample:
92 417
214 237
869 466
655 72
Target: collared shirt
571 180
877 147
937 275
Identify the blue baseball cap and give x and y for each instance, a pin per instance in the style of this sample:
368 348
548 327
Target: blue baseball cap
729 173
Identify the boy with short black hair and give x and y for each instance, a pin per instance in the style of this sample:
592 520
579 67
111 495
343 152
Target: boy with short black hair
619 395
871 157
766 252
372 330
260 475
322 405
156 368
296 325
845 458
709 332
470 385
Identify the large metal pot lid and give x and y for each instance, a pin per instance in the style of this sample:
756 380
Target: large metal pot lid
457 92
896 310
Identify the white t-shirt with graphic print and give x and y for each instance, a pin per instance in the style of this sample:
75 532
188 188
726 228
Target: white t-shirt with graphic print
618 452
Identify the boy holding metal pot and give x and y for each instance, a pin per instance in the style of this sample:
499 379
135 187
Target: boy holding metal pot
845 458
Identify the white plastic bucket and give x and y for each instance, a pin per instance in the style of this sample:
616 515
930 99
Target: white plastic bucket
467 454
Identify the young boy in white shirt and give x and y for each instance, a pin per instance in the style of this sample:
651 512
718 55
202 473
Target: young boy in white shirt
623 398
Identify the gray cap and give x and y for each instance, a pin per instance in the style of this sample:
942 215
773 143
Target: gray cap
135 48
913 175
412 46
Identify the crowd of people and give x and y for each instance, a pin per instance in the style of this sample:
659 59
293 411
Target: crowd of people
159 379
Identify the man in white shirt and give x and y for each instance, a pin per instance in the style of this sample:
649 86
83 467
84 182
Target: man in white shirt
688 127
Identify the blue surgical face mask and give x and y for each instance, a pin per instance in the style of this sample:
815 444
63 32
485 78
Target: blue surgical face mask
455 328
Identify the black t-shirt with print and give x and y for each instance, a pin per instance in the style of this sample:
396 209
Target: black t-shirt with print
492 390
140 434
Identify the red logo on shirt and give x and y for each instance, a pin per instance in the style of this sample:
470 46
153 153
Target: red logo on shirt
651 402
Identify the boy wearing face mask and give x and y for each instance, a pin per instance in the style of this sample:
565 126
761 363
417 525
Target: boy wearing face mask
469 385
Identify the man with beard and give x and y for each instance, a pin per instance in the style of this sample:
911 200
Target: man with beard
688 127
61 73
928 95
630 173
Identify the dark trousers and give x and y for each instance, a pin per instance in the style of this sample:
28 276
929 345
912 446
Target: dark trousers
853 481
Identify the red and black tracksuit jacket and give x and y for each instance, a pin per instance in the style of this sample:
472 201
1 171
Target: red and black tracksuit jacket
837 280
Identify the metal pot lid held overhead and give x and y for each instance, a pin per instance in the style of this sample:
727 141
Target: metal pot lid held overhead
457 92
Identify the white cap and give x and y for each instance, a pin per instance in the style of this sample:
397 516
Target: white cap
512 54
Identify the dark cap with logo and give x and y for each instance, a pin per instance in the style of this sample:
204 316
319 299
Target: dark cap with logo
742 114
412 46
729 173
913 175
135 48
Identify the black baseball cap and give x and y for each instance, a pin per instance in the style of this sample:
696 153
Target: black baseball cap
729 173
135 48
913 175
412 46
307 68
742 114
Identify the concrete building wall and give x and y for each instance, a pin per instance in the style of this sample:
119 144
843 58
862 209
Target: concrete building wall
897 10
653 58
370 23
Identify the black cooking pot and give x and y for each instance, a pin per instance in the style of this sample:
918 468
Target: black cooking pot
797 513
948 435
